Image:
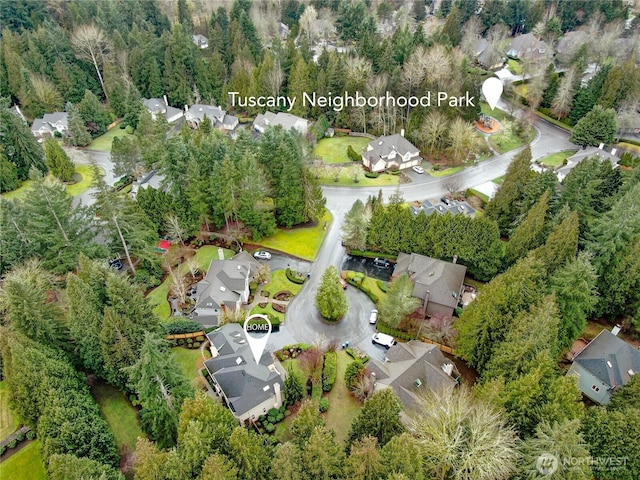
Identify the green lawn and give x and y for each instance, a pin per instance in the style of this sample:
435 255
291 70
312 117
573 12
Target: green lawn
103 142
498 180
74 189
158 296
26 464
303 242
479 195
343 407
189 360
334 150
514 66
119 415
522 89
372 285
557 159
280 282
270 312
498 114
345 177
505 144
445 172
9 423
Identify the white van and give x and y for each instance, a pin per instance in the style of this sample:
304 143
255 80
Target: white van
373 318
383 339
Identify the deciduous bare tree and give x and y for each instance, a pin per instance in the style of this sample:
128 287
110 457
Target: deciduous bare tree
90 43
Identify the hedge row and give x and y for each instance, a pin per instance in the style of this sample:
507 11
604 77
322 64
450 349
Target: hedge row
356 281
353 155
295 277
554 121
382 328
371 174
181 326
353 354
329 371
382 286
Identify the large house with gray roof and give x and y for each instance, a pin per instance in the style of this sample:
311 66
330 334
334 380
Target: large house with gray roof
411 368
527 46
248 388
604 365
390 152
49 124
453 207
160 107
285 120
437 283
219 118
226 286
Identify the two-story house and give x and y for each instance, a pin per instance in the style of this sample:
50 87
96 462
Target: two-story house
390 152
49 124
285 120
219 118
160 107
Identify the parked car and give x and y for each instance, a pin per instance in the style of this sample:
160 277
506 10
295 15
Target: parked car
381 262
383 339
343 284
373 318
445 200
417 169
262 255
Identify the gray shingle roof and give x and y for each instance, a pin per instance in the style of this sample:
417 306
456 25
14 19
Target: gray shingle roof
610 359
285 120
244 382
442 279
386 144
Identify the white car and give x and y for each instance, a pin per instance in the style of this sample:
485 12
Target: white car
417 169
373 318
262 255
383 339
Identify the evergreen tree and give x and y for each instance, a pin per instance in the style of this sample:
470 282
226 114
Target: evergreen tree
379 418
58 161
293 389
399 302
94 114
354 229
65 466
218 467
530 233
8 175
322 457
403 455
364 460
306 422
597 126
286 462
331 300
250 455
19 145
561 244
78 133
126 156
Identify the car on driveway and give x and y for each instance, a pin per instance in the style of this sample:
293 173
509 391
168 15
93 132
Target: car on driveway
383 339
262 255
373 318
417 169
381 262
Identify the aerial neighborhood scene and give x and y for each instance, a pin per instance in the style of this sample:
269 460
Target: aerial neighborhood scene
320 239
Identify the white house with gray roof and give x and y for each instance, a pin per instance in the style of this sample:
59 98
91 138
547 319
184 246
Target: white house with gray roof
390 151
285 120
604 365
588 152
226 286
219 118
160 107
437 283
248 388
453 207
49 124
529 47
200 41
411 368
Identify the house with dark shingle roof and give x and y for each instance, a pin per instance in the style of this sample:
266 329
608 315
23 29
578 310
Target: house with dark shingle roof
454 207
226 286
285 120
410 368
604 365
160 106
528 46
219 118
248 388
437 283
390 151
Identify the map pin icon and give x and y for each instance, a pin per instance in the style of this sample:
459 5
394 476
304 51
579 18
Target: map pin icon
492 90
261 331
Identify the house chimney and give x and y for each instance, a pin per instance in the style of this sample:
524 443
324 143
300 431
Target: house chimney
601 146
276 388
166 102
455 259
402 132
616 330
186 108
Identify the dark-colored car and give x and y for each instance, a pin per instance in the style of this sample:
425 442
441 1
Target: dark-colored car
381 262
445 200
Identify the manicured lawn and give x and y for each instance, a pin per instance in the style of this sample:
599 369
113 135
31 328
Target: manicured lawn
280 282
556 159
634 149
522 89
158 296
9 423
514 66
345 177
498 180
498 114
26 464
303 242
505 144
334 150
73 189
372 285
479 195
119 414
190 361
103 142
343 407
445 172
269 311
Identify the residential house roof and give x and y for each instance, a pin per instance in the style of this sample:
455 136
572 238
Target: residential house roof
410 368
528 45
569 44
55 117
158 106
454 207
580 155
610 359
245 383
200 40
51 123
438 280
386 144
224 280
218 117
286 120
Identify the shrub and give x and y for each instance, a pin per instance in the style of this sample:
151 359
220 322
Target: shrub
252 287
200 338
31 435
394 172
269 427
357 355
382 328
181 341
354 370
323 405
204 372
330 371
295 277
316 391
282 409
129 129
382 286
196 344
371 174
273 412
20 437
2 450
280 417
12 443
189 341
353 155
628 160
